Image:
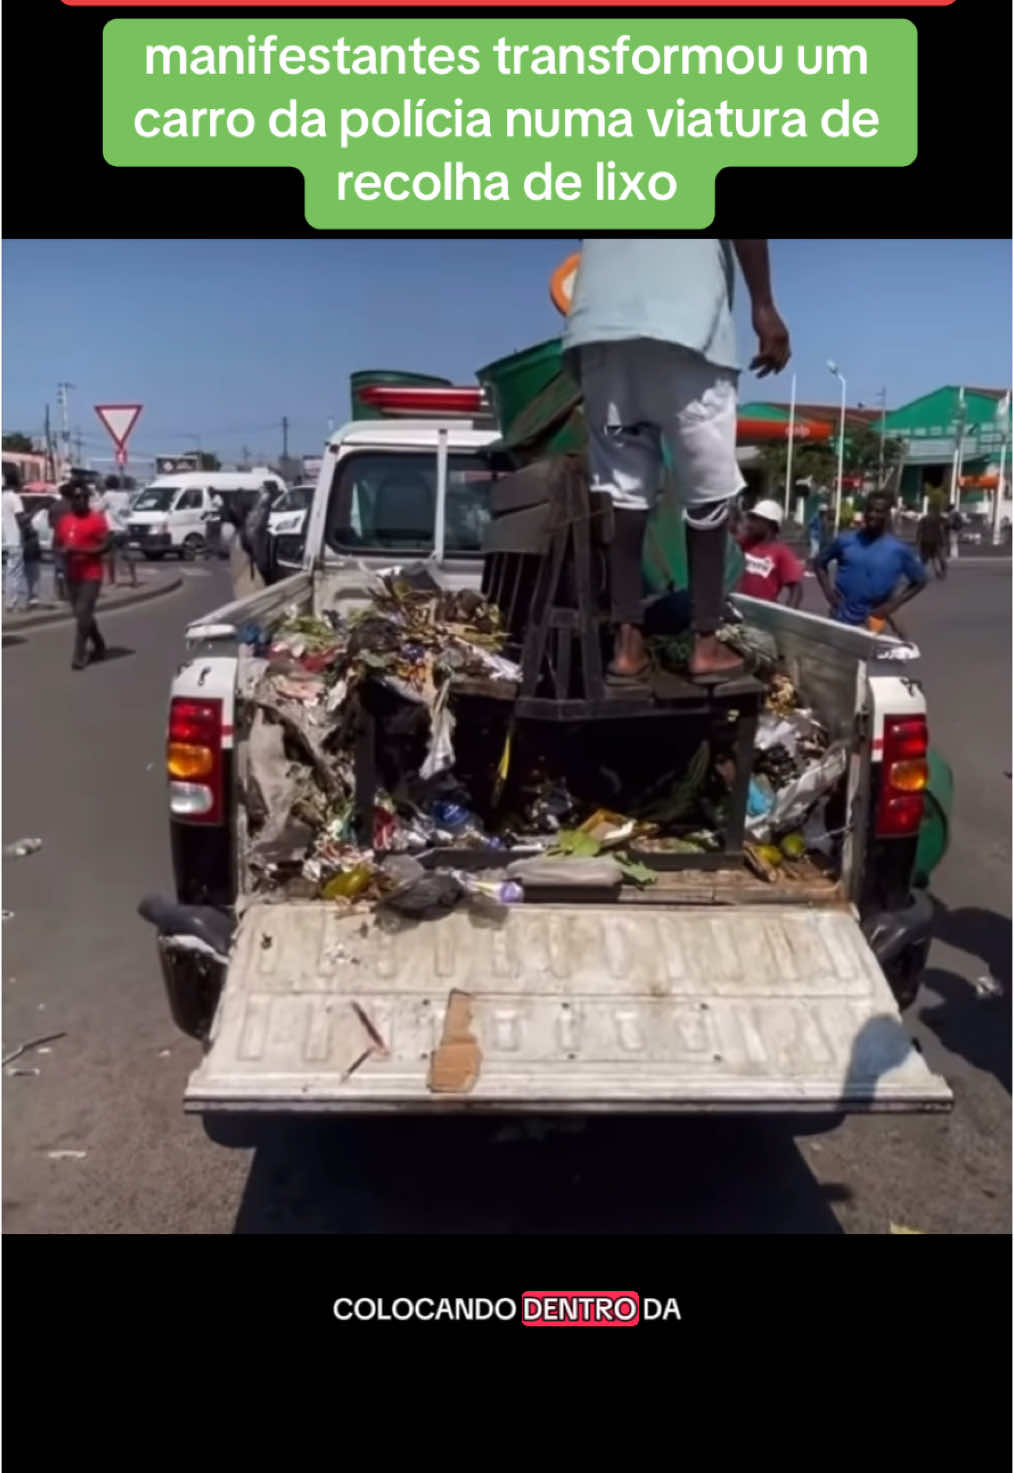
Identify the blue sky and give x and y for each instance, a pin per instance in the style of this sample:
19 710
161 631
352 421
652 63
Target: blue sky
220 339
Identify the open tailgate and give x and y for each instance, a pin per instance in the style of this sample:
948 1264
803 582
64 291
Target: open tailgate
582 1007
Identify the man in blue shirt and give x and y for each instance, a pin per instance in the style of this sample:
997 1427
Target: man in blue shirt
875 573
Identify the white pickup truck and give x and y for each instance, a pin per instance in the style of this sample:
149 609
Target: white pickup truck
704 993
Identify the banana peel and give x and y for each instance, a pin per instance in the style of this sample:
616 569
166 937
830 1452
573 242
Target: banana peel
764 860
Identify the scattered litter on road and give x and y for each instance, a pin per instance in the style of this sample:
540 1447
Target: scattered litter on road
8 915
987 986
66 1155
164 1053
41 1008
21 848
32 1043
14 1073
896 1227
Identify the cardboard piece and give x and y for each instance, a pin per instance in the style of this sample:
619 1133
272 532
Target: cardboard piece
455 1064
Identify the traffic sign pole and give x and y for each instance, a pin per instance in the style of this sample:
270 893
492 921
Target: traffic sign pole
119 420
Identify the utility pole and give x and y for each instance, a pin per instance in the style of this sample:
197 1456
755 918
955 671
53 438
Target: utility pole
285 437
882 396
63 400
959 446
50 464
79 442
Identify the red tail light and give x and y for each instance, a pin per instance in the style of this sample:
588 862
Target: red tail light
905 774
423 399
194 760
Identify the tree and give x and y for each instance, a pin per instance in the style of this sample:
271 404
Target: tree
209 461
863 452
18 443
809 462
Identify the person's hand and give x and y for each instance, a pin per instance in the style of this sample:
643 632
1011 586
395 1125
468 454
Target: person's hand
773 349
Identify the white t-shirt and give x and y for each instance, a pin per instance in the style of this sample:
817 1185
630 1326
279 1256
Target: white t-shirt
116 504
13 506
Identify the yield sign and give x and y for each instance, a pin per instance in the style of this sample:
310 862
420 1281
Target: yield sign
119 420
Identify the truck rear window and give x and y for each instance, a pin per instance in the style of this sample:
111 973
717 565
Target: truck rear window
387 501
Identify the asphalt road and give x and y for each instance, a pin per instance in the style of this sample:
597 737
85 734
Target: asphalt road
83 771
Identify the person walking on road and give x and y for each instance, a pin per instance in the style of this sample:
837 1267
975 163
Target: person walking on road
771 567
115 505
819 530
651 339
931 541
60 509
31 552
875 572
15 587
955 522
84 538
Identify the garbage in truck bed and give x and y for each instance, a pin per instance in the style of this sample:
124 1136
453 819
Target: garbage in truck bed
468 805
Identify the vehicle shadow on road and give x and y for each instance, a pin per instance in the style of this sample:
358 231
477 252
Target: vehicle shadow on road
978 1028
10 639
451 1175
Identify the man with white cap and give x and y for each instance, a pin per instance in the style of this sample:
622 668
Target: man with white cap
771 567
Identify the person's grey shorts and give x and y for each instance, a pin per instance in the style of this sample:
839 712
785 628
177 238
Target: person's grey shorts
639 394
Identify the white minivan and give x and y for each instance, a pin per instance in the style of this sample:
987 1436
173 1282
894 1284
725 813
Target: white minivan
174 514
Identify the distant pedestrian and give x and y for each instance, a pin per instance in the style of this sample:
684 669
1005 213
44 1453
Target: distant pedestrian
115 506
31 552
955 522
819 530
931 540
83 537
60 509
15 587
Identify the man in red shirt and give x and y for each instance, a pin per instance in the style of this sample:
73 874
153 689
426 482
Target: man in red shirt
770 566
82 536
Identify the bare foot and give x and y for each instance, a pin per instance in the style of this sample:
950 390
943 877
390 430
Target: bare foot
629 657
712 657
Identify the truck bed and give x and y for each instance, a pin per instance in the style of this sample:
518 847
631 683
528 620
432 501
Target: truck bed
560 1008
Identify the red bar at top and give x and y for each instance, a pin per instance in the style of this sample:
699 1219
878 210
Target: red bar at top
514 4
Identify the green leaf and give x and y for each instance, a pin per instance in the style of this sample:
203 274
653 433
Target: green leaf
638 874
573 841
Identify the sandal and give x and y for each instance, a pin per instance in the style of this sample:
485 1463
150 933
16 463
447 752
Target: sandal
718 677
634 677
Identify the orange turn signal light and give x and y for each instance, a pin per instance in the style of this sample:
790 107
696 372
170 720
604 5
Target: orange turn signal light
185 760
909 777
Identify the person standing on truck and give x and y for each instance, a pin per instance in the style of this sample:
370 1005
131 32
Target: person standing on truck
875 572
771 567
84 539
651 339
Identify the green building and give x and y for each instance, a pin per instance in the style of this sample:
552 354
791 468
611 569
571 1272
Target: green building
932 427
